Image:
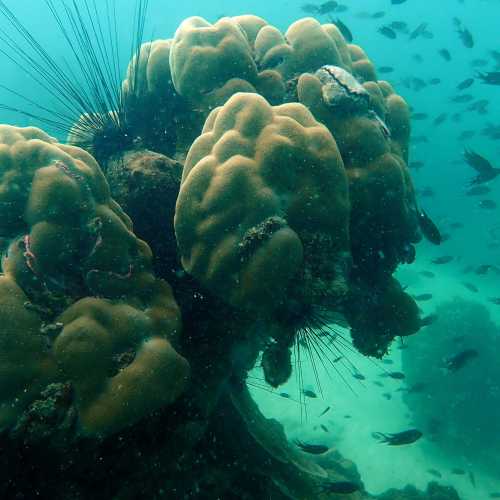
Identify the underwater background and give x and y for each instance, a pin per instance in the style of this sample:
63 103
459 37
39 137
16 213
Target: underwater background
455 283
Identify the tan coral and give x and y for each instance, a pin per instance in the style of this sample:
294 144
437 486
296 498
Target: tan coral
362 67
259 186
210 61
116 392
67 239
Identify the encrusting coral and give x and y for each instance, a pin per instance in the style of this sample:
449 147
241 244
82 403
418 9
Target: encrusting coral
78 291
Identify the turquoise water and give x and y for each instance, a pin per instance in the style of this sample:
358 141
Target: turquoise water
378 403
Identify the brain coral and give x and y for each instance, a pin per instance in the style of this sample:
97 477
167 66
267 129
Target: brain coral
67 240
263 205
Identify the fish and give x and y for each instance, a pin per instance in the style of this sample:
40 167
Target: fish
324 428
387 32
397 2
466 134
472 478
346 32
423 297
427 274
416 165
327 7
418 31
313 449
399 26
339 487
445 54
458 361
465 84
416 388
478 191
434 81
378 15
487 204
442 260
309 393
495 494
456 225
400 438
285 395
495 300
464 34
419 116
394 375
326 410
387 395
309 8
359 376
479 62
385 69
388 361
484 268
440 119
378 383
458 472
428 228
471 287
461 98
419 139
435 473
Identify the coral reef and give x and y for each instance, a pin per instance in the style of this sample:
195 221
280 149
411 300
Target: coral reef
267 173
78 292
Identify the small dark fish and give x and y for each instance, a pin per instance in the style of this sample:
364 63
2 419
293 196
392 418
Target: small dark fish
488 204
418 58
399 26
464 34
285 395
387 32
418 31
435 473
495 494
471 287
309 393
326 410
309 8
387 395
440 119
434 81
359 376
479 63
388 361
385 69
416 165
417 388
478 191
427 274
396 375
339 487
466 134
397 2
378 384
456 225
458 472
461 98
458 361
484 268
419 139
323 427
428 228
465 84
443 260
423 297
378 15
313 449
346 32
472 478
419 116
327 7
428 320
445 54
495 300
400 438
341 8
